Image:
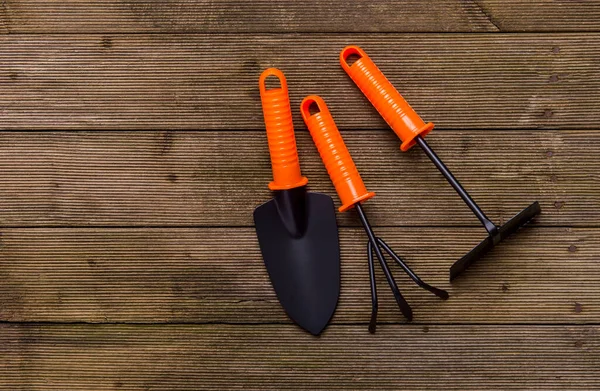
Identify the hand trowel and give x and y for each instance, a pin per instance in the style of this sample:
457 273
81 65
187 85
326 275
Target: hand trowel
297 230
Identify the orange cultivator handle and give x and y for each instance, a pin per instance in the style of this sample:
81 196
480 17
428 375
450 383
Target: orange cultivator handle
336 157
403 120
280 133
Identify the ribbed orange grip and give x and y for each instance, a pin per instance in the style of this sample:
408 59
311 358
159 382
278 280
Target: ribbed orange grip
280 133
403 120
336 157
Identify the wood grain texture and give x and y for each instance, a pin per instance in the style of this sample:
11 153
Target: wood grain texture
540 276
239 16
3 18
218 357
151 226
223 16
542 15
209 82
218 178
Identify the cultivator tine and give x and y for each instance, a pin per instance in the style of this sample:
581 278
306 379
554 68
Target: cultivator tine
373 283
442 294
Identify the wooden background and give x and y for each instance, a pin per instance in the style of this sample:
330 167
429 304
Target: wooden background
128 260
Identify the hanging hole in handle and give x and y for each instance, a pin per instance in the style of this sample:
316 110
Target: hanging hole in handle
313 108
350 55
272 82
351 59
272 79
310 106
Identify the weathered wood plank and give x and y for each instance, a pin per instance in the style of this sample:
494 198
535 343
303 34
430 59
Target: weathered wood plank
198 16
542 275
218 178
239 16
210 81
218 357
3 18
542 15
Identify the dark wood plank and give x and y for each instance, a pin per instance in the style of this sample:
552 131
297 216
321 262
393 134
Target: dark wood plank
542 15
210 81
218 178
542 275
219 357
239 16
3 18
115 16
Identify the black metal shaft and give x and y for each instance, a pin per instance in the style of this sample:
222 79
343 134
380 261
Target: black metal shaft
487 223
374 302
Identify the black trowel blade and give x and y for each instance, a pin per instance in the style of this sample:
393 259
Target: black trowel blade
304 266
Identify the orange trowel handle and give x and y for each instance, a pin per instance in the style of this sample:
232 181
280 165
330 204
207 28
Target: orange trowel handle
403 120
333 151
280 133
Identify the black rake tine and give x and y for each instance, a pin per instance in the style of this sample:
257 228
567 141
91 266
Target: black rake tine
436 291
374 302
400 300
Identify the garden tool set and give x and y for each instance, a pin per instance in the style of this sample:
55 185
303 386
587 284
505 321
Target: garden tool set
297 231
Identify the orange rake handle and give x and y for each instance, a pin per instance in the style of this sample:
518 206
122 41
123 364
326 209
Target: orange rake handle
280 133
334 153
394 109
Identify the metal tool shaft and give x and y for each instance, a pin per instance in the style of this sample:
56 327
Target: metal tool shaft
490 227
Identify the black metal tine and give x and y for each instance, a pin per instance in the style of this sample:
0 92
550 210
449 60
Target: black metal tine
402 303
374 302
436 291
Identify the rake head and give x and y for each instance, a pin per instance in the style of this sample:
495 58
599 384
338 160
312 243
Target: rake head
512 226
